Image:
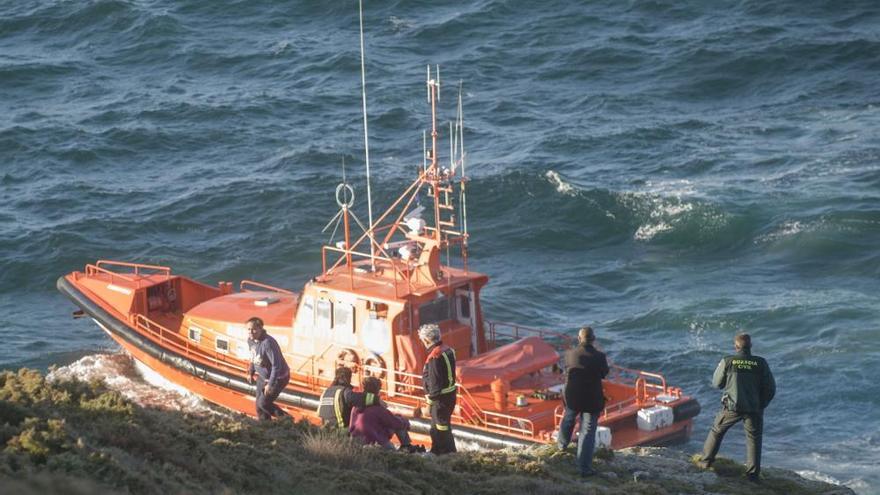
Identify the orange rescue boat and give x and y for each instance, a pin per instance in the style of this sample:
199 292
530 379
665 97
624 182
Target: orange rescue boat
363 311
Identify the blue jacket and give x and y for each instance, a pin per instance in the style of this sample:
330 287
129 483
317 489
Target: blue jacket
266 359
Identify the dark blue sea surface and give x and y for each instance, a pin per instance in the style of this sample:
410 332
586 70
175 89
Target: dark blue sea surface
671 171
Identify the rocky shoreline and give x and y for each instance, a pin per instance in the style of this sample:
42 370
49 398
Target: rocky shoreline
72 437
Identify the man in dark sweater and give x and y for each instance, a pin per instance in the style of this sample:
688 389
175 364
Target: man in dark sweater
271 369
585 367
748 387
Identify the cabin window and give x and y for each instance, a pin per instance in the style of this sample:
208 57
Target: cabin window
343 317
308 310
464 307
221 344
435 311
324 314
195 335
377 310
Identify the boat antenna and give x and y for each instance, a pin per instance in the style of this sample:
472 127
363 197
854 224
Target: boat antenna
366 140
464 179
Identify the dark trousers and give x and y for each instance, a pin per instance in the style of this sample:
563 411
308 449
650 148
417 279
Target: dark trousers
754 426
442 441
586 436
266 407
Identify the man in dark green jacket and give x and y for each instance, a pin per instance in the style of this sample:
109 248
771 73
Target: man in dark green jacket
748 387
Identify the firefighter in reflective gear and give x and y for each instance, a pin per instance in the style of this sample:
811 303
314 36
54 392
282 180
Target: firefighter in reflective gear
438 380
338 399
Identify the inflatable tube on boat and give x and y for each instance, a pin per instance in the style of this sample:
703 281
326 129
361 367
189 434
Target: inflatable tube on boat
686 410
234 382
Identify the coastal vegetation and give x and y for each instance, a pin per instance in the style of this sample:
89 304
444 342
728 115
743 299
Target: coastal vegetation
79 437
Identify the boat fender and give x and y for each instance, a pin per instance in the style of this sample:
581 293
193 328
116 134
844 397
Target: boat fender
375 362
686 410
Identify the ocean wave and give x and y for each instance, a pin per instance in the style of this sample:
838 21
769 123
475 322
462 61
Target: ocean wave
561 186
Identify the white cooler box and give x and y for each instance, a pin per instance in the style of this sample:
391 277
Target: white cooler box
603 437
654 418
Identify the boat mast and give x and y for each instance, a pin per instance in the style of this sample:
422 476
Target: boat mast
366 142
464 179
433 170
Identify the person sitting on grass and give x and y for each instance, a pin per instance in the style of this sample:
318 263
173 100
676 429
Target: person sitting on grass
339 398
375 424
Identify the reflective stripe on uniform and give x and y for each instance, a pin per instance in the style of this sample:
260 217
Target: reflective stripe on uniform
442 427
337 405
449 373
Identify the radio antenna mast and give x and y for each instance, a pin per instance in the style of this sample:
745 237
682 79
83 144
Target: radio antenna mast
461 159
366 141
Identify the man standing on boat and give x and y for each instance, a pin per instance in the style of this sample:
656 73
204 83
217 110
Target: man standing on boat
438 380
748 387
585 367
271 369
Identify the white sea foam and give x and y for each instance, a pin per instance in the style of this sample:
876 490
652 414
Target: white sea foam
679 188
662 205
134 381
857 485
648 231
280 47
787 229
399 24
817 476
561 186
664 213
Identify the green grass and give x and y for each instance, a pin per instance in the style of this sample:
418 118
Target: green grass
76 437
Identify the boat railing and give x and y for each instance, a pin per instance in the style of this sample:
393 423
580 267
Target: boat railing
172 340
245 285
512 330
163 336
646 383
136 269
408 386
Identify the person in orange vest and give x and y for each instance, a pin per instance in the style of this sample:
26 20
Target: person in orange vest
438 380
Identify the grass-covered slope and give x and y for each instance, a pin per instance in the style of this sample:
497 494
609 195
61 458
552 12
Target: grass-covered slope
74 437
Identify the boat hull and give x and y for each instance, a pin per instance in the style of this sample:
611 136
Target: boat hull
231 391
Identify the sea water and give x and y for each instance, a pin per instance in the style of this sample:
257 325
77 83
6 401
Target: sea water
671 172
